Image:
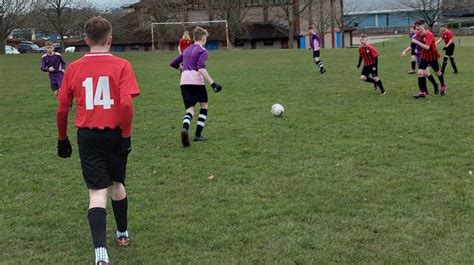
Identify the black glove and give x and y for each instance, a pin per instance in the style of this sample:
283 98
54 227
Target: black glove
125 147
64 148
444 48
216 87
358 66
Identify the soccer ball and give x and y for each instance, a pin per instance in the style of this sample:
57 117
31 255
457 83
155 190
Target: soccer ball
277 110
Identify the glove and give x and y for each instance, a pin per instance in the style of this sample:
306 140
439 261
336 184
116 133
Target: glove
125 147
444 48
358 66
216 87
64 148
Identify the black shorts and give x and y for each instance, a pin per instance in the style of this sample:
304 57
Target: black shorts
413 52
369 69
424 64
449 50
101 161
193 94
316 54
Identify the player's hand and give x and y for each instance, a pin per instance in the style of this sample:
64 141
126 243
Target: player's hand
51 69
64 148
403 53
358 66
216 87
125 147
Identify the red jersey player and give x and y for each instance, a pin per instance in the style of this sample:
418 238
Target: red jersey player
370 56
429 57
449 46
103 86
184 42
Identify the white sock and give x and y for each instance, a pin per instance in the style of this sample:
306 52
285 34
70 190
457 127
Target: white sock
101 255
119 234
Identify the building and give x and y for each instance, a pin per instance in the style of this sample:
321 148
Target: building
253 24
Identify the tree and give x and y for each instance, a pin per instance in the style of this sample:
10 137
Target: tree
234 11
60 13
11 15
292 9
428 10
353 12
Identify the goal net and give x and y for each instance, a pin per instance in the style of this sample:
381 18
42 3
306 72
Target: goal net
165 35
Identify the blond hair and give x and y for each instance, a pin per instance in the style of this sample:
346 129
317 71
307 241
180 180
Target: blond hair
198 33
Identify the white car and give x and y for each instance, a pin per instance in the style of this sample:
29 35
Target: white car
71 49
11 50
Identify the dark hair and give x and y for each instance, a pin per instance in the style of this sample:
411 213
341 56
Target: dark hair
420 22
363 36
48 43
98 29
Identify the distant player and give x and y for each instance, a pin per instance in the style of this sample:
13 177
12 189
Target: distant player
315 44
53 63
184 42
192 83
103 86
429 57
449 46
414 51
370 56
418 49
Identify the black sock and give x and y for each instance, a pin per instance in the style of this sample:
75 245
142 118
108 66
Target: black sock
445 63
441 79
422 84
453 64
201 121
433 81
413 65
379 83
120 212
369 80
188 117
97 222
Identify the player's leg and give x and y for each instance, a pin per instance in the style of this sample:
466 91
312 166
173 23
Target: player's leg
189 100
432 80
94 169
422 79
364 76
203 102
318 62
378 82
434 64
445 63
450 54
201 122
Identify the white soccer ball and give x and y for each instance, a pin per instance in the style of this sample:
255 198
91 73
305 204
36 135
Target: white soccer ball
277 110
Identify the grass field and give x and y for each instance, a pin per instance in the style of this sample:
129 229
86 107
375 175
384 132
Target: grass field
346 176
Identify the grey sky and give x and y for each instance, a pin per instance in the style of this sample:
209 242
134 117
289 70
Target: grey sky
111 3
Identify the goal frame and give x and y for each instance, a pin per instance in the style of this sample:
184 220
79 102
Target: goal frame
193 22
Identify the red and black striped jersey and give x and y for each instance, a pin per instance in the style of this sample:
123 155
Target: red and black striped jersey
447 36
432 53
368 53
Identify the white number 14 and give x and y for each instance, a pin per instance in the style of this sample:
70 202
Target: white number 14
102 93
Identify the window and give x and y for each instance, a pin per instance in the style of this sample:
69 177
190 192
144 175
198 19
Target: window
268 42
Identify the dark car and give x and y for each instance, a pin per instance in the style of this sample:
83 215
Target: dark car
29 47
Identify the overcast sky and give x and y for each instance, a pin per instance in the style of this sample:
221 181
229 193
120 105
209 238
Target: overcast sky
111 3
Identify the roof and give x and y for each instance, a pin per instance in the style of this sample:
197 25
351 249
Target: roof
383 11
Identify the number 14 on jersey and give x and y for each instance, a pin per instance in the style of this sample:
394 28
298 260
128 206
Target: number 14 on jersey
101 97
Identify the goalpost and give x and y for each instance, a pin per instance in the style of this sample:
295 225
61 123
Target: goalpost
203 24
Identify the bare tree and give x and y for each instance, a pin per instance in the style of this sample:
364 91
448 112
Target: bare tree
428 10
60 13
292 10
11 15
234 11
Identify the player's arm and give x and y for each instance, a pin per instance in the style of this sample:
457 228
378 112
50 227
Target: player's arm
449 42
404 52
177 61
424 46
63 63
360 61
179 46
64 103
203 71
439 40
44 67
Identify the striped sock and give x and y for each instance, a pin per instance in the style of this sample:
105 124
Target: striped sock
101 255
201 121
187 120
320 64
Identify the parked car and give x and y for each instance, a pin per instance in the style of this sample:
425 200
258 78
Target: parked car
29 47
11 50
70 49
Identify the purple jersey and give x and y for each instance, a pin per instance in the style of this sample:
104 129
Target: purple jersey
193 59
56 61
414 46
315 42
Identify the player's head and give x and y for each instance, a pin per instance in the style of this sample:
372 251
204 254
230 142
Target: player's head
413 28
200 34
311 29
443 27
420 26
363 39
186 34
98 32
49 46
